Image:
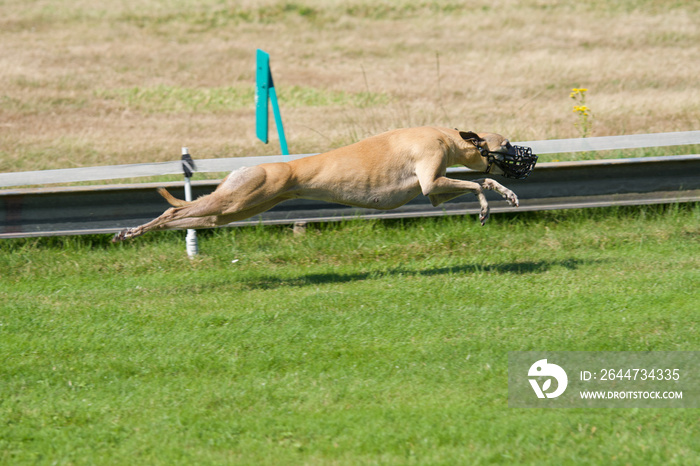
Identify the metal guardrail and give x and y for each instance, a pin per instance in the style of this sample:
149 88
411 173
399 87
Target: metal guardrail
28 212
113 172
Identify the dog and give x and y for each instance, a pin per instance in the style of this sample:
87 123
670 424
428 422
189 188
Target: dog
381 172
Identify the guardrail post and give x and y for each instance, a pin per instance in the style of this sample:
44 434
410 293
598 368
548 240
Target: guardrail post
188 167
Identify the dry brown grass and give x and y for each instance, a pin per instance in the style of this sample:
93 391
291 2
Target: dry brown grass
67 70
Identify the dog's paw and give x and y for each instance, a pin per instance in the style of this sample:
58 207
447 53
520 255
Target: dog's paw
512 199
483 217
122 235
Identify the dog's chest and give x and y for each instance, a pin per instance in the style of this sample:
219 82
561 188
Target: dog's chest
383 197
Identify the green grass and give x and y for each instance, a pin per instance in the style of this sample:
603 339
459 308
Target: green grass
357 343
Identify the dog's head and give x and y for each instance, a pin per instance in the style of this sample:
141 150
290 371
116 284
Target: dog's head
500 156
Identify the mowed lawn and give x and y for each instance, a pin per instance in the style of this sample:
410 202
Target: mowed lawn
356 343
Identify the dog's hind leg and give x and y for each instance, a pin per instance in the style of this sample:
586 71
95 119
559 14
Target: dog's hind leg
192 223
243 194
213 221
203 207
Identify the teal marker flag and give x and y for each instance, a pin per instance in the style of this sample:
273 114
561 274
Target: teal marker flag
264 92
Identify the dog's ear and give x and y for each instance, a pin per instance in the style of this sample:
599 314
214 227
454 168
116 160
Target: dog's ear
471 137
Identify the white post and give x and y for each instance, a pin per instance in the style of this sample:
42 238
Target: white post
191 238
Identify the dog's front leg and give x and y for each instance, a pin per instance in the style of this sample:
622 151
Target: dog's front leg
443 189
488 183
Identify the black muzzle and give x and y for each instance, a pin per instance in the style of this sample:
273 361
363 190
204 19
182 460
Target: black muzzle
518 162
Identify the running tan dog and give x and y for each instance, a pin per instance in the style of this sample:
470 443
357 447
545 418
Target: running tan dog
381 172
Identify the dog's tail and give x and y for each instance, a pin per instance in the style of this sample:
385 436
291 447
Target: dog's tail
172 200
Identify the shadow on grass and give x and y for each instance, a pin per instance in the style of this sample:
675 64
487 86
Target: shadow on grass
516 268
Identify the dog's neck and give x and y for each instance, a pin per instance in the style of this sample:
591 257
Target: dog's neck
470 157
464 152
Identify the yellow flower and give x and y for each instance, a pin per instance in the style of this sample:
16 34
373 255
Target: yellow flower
577 91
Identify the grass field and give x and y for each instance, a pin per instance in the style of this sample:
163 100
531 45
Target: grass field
357 343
